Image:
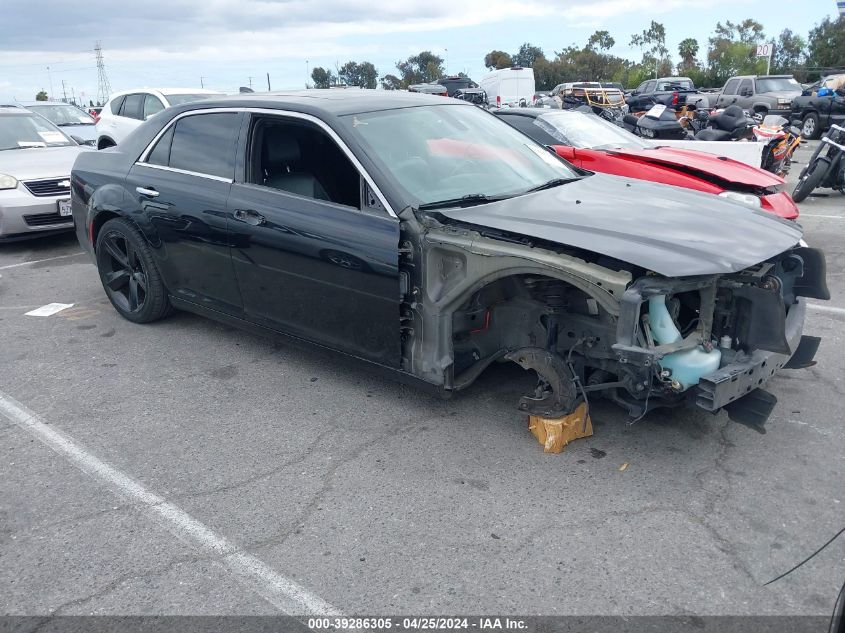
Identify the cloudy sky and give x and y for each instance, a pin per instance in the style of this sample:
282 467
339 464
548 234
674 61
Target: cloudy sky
221 43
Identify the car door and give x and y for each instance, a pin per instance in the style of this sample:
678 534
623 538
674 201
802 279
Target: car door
180 186
745 94
314 248
728 94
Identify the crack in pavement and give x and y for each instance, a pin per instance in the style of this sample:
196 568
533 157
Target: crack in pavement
308 452
117 582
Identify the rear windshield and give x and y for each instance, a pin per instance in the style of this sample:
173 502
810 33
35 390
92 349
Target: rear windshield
683 84
24 131
778 84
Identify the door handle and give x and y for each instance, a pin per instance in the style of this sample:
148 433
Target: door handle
148 192
249 217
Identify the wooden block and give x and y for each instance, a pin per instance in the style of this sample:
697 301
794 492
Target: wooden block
555 434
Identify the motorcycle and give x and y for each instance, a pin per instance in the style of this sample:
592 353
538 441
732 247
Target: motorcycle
781 139
827 170
658 123
730 124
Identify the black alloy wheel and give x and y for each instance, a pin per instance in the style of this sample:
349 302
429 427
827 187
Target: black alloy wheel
128 272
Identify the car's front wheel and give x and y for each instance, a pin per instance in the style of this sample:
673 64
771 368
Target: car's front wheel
130 277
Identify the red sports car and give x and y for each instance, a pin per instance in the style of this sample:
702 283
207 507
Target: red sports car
588 141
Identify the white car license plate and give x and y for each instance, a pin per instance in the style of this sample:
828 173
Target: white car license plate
65 208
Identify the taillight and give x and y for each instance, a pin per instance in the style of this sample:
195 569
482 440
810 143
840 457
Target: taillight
498 101
674 98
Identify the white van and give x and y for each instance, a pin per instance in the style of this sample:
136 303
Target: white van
509 86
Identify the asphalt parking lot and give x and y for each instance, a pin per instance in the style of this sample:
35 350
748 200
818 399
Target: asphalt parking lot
376 498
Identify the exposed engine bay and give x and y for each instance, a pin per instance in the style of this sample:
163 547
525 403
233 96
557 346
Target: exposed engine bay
589 325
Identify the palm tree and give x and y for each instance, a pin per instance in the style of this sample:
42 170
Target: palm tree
688 49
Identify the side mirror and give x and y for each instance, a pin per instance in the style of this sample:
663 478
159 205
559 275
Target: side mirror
745 92
634 93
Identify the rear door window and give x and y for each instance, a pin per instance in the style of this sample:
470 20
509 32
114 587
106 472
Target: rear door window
206 143
116 104
132 106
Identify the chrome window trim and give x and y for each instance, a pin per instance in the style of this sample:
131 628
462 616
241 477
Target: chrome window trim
142 160
185 171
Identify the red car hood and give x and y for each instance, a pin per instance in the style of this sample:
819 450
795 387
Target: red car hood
721 167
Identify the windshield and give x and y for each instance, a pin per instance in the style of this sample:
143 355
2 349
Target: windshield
444 152
62 115
21 131
175 100
778 84
587 131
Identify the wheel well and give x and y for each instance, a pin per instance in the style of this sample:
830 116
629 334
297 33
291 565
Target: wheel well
104 141
525 311
99 220
761 108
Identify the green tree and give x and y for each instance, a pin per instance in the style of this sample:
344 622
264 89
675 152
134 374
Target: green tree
731 51
827 44
424 67
790 53
41 96
525 56
652 42
391 82
323 78
495 60
363 75
688 50
600 41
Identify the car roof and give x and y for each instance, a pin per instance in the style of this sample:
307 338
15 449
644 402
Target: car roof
14 109
167 91
326 101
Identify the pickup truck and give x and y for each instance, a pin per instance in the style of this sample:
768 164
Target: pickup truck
816 111
760 94
673 92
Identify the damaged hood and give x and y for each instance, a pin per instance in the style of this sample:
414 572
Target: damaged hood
672 231
720 167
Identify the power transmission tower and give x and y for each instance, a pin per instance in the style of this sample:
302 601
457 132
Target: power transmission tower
103 85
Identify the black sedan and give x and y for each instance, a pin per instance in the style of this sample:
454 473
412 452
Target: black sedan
426 236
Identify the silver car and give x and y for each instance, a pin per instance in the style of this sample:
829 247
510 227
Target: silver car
76 123
35 162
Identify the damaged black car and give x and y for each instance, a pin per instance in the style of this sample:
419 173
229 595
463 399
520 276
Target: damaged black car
426 236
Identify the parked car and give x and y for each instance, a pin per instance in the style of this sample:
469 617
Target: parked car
429 89
35 162
76 123
760 94
669 91
572 94
124 111
815 111
588 141
509 86
489 246
473 95
453 83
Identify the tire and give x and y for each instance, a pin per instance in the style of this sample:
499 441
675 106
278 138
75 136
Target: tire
811 179
810 128
128 272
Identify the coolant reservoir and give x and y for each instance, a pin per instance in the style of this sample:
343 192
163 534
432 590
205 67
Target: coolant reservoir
687 366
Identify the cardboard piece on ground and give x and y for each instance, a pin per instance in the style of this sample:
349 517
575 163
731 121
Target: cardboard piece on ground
555 434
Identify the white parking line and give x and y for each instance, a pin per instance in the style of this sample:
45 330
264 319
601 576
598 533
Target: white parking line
828 309
40 261
285 594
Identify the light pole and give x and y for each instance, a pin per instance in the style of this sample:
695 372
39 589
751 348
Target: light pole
51 82
447 60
